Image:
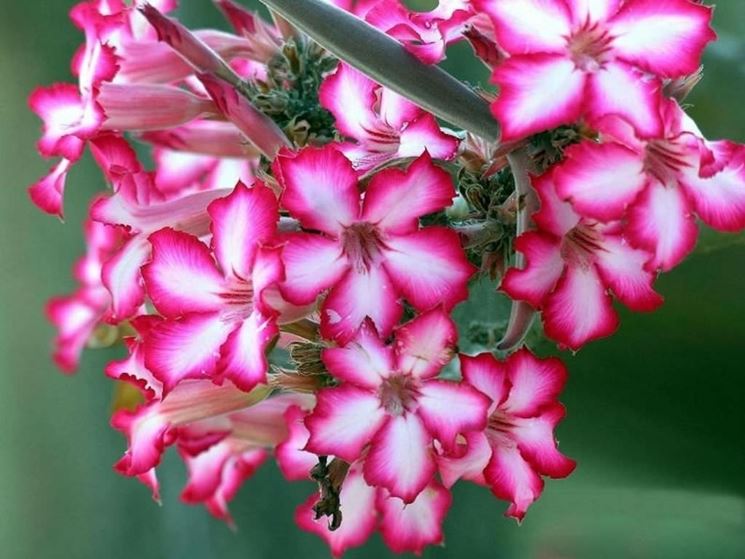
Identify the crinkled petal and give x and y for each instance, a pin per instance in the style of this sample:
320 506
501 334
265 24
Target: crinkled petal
469 464
47 192
243 356
350 96
359 295
661 221
624 269
428 267
555 215
448 409
425 344
600 180
344 421
364 361
665 37
534 383
241 222
513 479
410 527
544 266
487 375
535 439
401 457
320 188
313 264
182 277
579 309
537 92
425 134
294 462
395 199
121 276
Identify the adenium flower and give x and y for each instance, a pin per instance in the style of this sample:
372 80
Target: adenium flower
659 182
385 126
571 265
518 446
391 407
576 58
370 251
217 322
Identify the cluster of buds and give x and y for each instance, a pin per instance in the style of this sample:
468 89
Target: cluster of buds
282 278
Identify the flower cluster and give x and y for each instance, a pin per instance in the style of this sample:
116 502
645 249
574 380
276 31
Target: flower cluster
282 277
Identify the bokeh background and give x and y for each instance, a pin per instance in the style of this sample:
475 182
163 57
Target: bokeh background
656 413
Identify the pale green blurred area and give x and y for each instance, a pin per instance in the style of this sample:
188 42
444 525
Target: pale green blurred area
656 414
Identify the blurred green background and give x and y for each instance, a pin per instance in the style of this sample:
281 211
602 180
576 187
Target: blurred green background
656 414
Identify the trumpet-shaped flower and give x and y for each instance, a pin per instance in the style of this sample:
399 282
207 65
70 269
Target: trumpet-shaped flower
391 404
384 125
576 58
518 446
572 264
368 252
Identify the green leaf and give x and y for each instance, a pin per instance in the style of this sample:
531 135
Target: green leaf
384 60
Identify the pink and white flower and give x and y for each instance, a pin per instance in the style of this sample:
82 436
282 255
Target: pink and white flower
217 322
518 446
571 265
391 407
384 125
571 59
659 183
370 251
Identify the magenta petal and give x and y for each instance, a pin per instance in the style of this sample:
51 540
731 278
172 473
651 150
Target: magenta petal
526 26
487 375
320 188
400 457
244 352
537 92
186 348
534 383
313 264
544 266
357 296
359 515
580 309
535 439
429 267
425 344
343 422
294 462
449 409
47 192
663 37
395 200
350 96
513 479
470 464
241 222
121 276
182 277
425 134
363 361
410 527
661 221
600 180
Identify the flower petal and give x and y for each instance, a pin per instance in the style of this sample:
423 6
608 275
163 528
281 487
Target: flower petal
661 221
185 348
535 439
243 356
526 26
543 268
413 526
181 277
313 264
363 361
47 192
665 37
350 96
429 267
395 200
294 462
320 188
357 500
241 222
448 409
425 134
513 479
600 180
487 375
537 92
469 464
579 310
121 276
357 296
400 457
343 422
425 344
534 383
